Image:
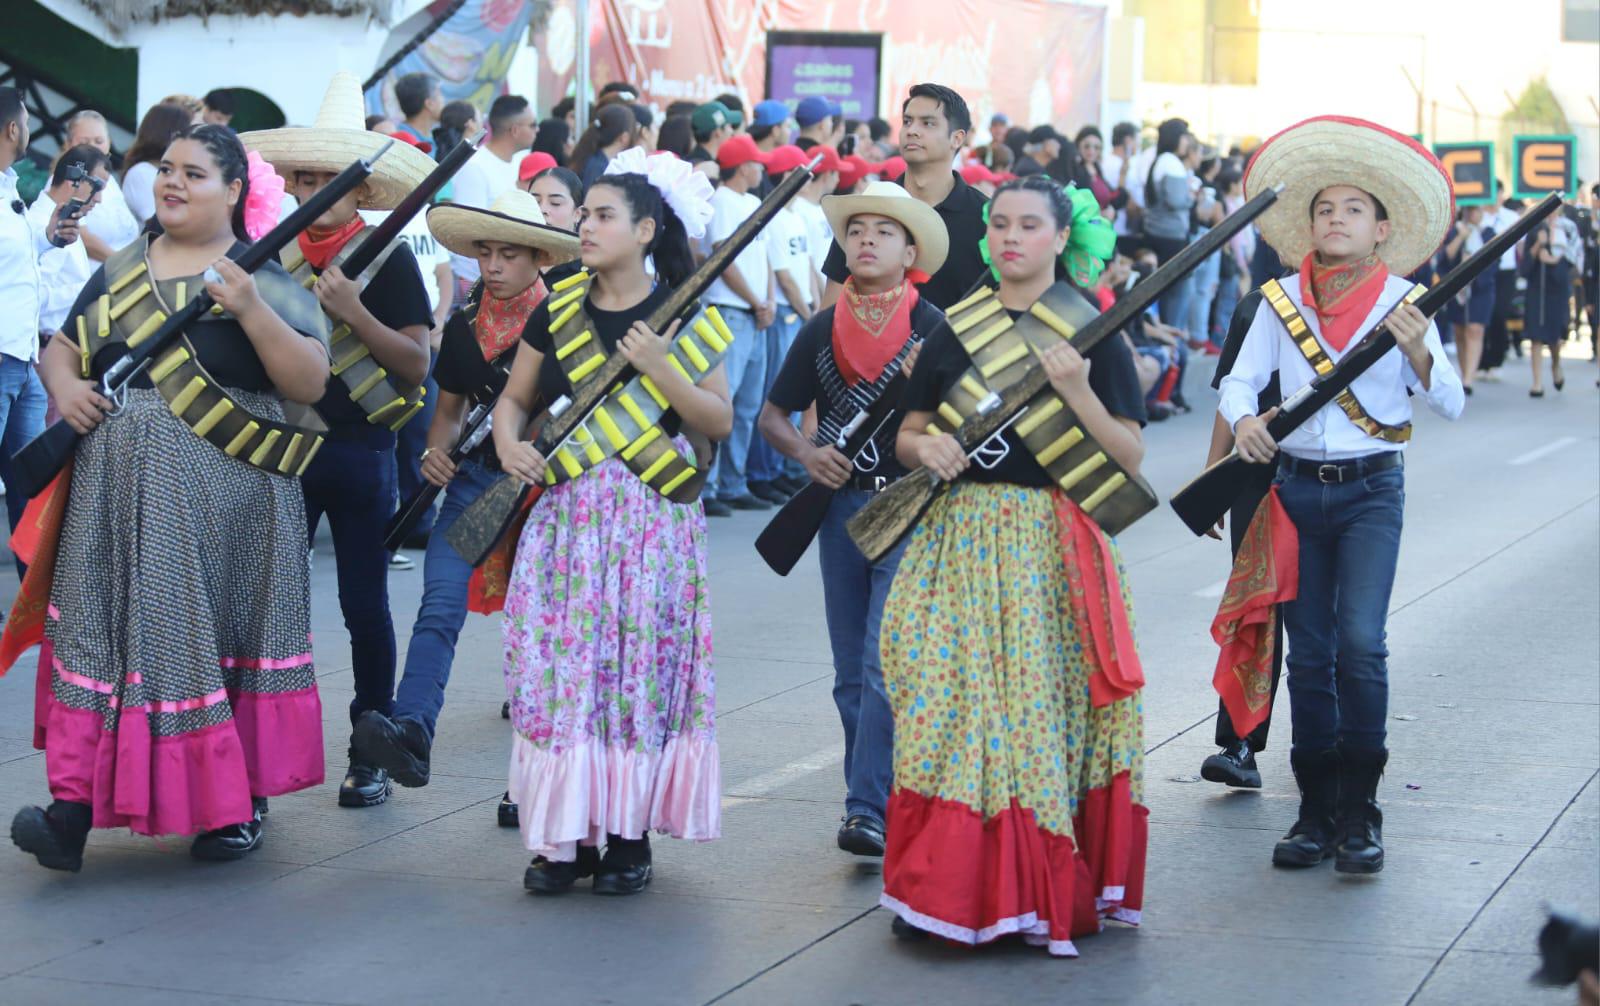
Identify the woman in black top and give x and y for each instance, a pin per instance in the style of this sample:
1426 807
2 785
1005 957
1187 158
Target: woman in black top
182 692
1007 651
607 620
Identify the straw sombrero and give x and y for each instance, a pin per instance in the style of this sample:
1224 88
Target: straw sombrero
338 138
886 199
513 218
1336 150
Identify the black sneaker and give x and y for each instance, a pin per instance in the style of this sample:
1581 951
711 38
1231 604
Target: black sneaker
770 492
625 868
505 813
748 502
54 837
861 835
716 508
545 876
399 747
505 709
1234 765
236 840
906 931
364 785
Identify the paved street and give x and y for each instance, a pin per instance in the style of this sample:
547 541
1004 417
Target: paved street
1491 801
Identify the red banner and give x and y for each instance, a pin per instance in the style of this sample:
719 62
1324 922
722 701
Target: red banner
1034 60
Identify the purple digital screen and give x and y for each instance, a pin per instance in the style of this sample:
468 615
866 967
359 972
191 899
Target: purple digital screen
847 74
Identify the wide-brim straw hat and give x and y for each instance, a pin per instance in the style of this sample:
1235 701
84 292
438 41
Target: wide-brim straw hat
1333 150
886 199
339 137
514 218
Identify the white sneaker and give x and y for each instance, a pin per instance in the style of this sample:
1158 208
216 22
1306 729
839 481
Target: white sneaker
399 560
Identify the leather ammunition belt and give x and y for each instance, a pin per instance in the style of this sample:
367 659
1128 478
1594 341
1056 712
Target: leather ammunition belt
627 423
382 401
1300 334
131 311
1002 352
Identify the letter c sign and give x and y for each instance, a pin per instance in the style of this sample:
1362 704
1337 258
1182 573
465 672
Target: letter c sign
1471 170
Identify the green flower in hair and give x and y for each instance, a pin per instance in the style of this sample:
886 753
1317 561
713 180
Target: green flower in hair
1090 245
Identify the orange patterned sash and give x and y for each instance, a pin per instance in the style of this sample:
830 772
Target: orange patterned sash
1266 573
1095 591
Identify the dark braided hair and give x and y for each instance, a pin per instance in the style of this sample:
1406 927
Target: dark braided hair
1054 195
670 246
233 162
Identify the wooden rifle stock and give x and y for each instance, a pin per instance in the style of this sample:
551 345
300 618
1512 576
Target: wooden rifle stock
879 525
480 527
1204 501
792 529
43 457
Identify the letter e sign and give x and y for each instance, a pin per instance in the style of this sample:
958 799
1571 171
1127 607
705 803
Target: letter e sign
1541 165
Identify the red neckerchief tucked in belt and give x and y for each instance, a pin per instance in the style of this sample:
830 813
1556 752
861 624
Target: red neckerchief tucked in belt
1266 573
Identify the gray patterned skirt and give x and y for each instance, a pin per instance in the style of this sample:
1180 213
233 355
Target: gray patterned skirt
179 622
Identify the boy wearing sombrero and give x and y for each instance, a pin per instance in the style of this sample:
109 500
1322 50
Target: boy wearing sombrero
380 351
842 360
1361 206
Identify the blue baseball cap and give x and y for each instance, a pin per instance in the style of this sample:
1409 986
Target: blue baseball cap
770 113
814 109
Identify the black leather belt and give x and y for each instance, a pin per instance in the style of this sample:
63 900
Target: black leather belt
869 483
1332 473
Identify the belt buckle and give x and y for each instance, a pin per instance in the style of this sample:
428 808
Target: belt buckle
1330 475
880 483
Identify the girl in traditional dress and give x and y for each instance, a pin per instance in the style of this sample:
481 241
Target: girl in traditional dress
178 625
607 617
1017 805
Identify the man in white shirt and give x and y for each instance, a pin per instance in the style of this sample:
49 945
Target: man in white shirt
64 271
743 295
22 396
1117 168
111 225
492 170
819 236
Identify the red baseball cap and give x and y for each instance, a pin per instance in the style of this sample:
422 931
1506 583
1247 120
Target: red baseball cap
533 163
405 137
892 168
830 159
786 158
740 149
854 168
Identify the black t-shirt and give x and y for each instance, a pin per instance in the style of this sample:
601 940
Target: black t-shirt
461 368
810 374
1238 328
1112 376
962 213
397 298
610 326
700 153
220 343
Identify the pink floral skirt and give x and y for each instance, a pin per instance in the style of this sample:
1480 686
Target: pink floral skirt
608 666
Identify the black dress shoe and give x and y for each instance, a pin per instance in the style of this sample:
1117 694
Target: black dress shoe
905 930
770 492
716 508
1360 823
506 813
625 868
399 747
1234 765
364 785
861 835
546 876
1310 841
747 502
789 485
235 841
505 709
55 837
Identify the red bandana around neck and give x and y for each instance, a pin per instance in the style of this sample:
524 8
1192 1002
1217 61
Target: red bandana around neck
500 322
321 250
1342 295
870 328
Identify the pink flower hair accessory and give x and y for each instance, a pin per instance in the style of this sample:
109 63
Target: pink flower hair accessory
262 202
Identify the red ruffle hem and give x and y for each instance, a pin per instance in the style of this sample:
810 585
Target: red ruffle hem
951 873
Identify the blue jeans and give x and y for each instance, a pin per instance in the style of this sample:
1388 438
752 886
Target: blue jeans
1227 300
1202 292
443 610
765 463
409 442
22 408
746 365
853 593
352 481
1338 660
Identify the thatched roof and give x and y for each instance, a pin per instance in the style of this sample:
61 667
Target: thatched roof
121 14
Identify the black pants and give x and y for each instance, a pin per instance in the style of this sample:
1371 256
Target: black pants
1238 522
1496 340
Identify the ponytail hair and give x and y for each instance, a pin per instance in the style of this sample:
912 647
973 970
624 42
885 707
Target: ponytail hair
670 246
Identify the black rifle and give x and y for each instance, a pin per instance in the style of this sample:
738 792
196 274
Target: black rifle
795 525
481 526
877 526
1202 502
43 457
417 200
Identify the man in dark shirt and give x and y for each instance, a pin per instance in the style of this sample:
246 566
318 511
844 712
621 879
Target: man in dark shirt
712 124
933 127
